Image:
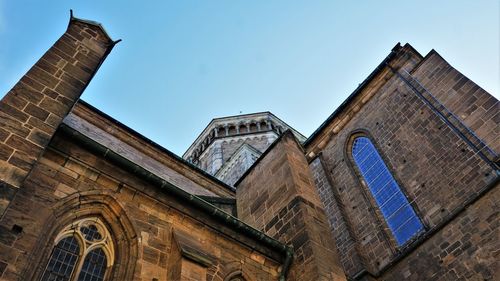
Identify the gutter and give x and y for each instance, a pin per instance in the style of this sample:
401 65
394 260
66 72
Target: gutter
156 145
196 201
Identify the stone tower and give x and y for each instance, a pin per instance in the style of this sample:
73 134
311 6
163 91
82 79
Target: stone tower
228 146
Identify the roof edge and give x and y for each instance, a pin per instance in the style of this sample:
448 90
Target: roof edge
197 202
351 97
431 53
72 18
156 145
264 154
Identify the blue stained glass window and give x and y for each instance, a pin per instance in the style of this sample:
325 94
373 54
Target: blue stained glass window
397 211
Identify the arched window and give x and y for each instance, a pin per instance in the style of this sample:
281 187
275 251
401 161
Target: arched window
83 251
397 211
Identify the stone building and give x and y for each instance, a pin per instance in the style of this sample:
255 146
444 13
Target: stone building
399 183
229 146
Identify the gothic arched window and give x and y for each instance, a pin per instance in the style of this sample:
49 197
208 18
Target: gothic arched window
393 204
83 251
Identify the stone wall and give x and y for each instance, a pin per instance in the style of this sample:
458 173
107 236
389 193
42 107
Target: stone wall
146 223
36 105
435 129
222 149
479 110
51 179
144 152
239 163
465 249
435 167
260 142
337 218
278 197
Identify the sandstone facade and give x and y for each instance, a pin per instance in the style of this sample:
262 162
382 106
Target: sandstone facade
83 197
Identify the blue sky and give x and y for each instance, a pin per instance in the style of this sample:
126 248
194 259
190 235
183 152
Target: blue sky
182 63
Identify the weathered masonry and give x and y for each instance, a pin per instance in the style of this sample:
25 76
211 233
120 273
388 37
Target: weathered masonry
399 183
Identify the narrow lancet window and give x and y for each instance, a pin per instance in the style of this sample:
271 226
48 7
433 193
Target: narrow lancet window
397 211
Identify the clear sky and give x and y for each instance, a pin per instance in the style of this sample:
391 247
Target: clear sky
182 63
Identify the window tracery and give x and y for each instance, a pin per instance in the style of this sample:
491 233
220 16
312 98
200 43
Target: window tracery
83 251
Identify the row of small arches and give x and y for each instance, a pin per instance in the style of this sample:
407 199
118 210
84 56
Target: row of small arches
229 129
203 163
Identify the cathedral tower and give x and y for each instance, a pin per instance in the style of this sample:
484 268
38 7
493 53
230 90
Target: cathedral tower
228 146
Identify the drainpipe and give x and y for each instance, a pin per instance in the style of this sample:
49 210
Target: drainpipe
445 119
286 263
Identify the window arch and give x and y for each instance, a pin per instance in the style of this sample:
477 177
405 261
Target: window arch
394 206
235 276
83 251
